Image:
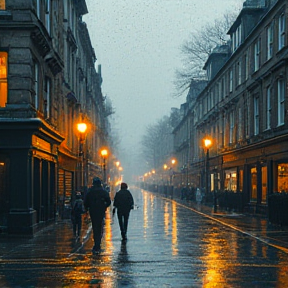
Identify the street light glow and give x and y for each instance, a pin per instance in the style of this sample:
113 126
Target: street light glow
104 153
207 143
82 127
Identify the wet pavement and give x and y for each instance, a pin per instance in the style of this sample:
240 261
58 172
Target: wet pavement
170 244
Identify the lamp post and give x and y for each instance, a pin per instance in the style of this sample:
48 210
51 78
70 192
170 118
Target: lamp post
173 161
81 128
104 154
207 144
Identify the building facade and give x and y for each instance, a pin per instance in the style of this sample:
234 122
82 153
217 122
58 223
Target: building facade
48 84
243 110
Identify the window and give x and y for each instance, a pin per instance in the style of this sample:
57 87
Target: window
239 124
264 185
239 72
36 84
231 80
281 104
268 108
47 100
256 115
282 177
253 172
47 15
246 67
269 41
281 32
2 4
3 78
232 124
257 55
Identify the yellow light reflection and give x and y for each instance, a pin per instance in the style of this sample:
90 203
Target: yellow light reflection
174 230
166 218
145 213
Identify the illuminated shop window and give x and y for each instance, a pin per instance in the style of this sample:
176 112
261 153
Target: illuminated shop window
230 180
282 177
253 185
264 184
2 5
3 78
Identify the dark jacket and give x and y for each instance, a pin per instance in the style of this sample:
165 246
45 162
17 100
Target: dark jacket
123 201
96 201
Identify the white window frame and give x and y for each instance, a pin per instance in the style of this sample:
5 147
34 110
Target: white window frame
257 55
269 41
239 72
256 115
268 108
232 125
281 101
231 80
48 96
36 85
281 31
47 15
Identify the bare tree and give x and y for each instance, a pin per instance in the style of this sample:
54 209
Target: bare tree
196 50
157 143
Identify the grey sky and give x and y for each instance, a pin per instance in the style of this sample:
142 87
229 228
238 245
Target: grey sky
138 45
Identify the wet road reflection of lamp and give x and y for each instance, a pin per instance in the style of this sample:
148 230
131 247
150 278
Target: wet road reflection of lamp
82 129
207 144
104 154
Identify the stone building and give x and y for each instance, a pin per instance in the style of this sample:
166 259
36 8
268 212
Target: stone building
48 84
243 111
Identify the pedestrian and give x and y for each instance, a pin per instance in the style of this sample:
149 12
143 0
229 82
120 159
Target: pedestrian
76 215
96 202
123 202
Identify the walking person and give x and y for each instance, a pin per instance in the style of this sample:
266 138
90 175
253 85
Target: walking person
76 215
96 202
123 202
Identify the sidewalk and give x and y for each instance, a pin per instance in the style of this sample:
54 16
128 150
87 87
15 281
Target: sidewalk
257 227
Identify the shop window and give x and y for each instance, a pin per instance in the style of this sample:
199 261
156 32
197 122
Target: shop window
2 4
282 177
264 185
253 172
240 181
3 78
230 180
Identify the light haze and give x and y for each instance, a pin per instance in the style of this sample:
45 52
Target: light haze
138 45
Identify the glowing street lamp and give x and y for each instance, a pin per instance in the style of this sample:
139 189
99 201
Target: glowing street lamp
82 130
208 144
104 154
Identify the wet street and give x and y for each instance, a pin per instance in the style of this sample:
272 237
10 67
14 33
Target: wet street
169 245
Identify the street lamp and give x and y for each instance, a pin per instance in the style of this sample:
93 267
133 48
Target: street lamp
173 161
208 144
81 128
104 154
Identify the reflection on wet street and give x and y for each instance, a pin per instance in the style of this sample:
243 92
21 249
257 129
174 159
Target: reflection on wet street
169 245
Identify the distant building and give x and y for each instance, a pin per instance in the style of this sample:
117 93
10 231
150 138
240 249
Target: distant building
243 110
48 84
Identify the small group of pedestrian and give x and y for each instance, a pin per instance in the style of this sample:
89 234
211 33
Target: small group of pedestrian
96 202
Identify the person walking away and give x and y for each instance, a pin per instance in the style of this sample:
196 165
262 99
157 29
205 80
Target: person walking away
123 202
76 215
96 202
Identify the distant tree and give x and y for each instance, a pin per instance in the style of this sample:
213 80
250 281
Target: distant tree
157 143
196 50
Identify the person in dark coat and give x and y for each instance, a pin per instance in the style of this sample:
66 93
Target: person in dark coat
76 215
96 202
123 202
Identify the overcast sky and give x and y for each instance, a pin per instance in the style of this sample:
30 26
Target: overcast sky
138 42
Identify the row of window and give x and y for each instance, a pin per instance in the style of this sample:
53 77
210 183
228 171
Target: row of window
240 72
